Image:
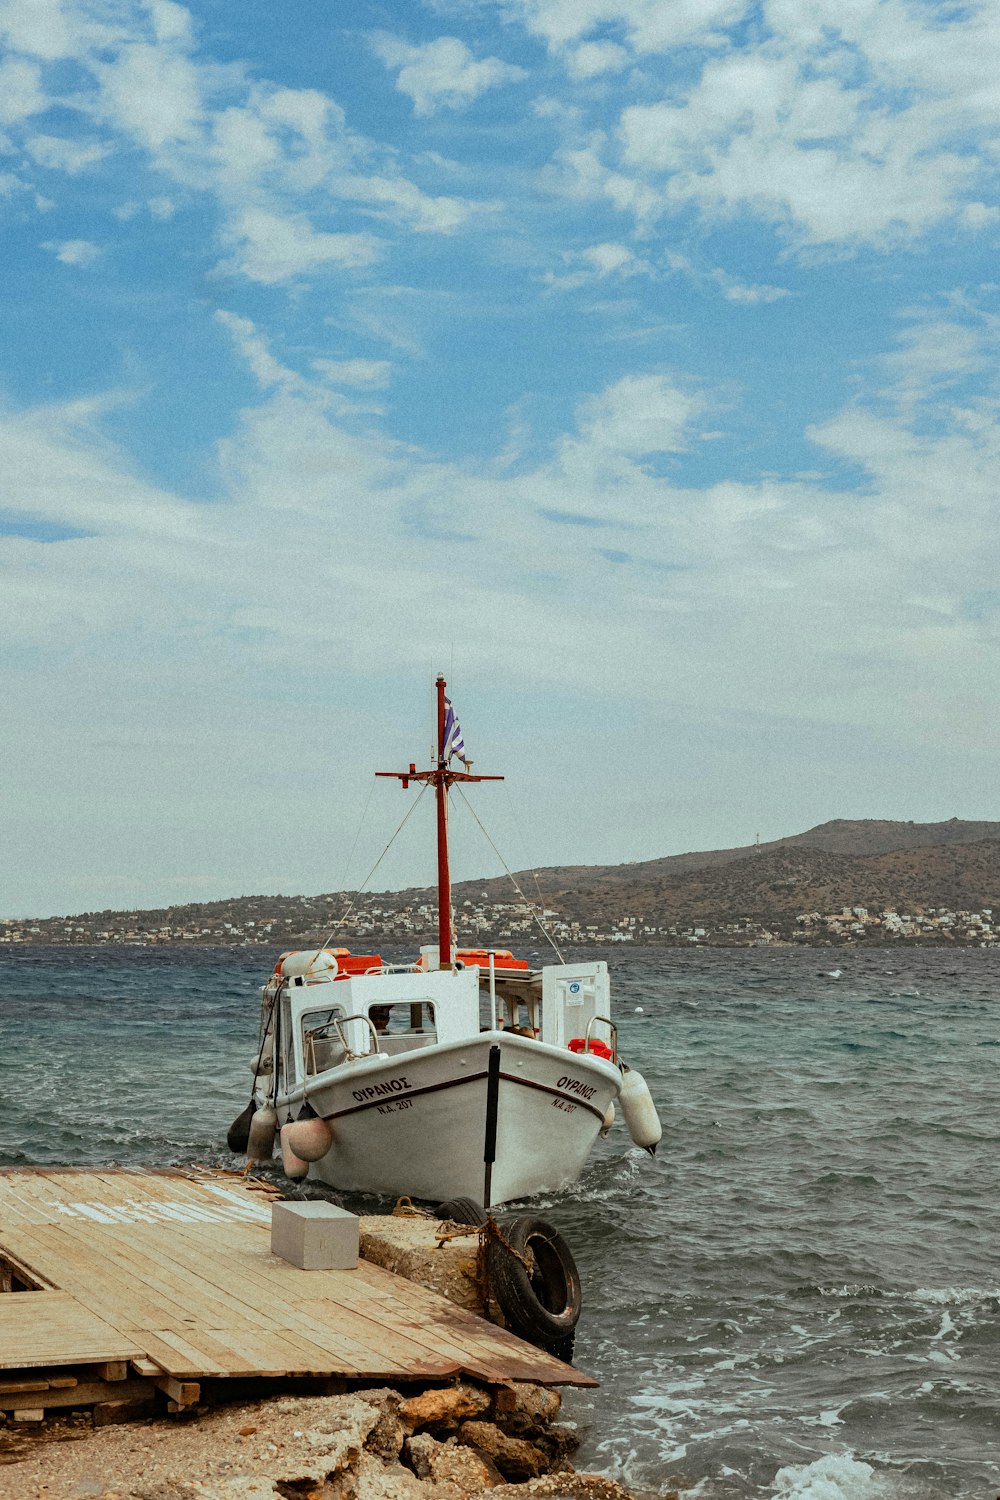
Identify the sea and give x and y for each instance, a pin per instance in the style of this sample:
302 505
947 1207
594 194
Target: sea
798 1297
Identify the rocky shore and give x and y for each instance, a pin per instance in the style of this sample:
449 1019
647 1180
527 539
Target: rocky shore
443 1443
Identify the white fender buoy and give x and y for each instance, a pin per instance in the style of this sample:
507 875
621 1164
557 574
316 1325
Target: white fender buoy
609 1119
310 1137
293 1165
639 1110
262 1063
260 1142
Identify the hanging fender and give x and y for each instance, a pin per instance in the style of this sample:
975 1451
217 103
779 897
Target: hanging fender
639 1110
310 1137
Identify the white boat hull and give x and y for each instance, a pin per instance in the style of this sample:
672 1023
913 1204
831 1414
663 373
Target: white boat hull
416 1124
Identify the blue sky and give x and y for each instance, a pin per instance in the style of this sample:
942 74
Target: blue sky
633 363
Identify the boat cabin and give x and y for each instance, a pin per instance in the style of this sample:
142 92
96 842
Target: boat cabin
335 1007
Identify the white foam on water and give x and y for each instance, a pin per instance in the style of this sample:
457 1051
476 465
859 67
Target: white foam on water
952 1296
836 1476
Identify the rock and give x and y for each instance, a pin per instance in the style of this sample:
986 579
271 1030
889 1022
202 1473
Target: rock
470 1472
525 1409
515 1457
443 1407
408 1247
375 1480
336 1440
386 1437
564 1487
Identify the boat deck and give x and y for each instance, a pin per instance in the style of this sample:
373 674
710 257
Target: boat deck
160 1279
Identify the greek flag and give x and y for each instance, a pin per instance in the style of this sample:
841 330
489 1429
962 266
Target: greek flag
454 744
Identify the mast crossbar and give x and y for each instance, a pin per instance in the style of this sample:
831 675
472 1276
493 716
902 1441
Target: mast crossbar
441 779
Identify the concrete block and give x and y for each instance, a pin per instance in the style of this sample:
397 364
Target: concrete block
315 1236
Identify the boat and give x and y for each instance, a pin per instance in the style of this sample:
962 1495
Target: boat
464 1074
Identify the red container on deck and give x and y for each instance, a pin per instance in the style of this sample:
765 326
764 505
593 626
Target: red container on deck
502 958
599 1049
349 964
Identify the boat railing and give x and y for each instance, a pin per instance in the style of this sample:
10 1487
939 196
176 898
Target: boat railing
340 1022
612 1031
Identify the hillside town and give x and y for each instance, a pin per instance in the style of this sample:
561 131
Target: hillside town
392 918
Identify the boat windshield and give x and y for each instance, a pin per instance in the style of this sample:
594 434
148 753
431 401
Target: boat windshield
400 1027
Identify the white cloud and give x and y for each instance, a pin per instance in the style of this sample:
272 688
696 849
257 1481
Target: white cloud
61 154
39 28
797 573
276 159
171 22
598 263
592 59
73 252
254 348
980 215
357 372
649 25
637 417
20 90
402 202
271 248
866 124
153 93
936 354
441 73
749 293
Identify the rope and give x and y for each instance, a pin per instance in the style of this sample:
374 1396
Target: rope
489 1231
529 904
360 891
406 1209
361 824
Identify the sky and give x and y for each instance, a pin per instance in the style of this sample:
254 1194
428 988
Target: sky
631 362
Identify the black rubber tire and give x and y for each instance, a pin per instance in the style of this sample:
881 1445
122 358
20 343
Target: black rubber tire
543 1307
563 1348
238 1135
462 1211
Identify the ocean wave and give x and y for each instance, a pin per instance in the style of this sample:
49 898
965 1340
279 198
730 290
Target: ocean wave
835 1476
951 1296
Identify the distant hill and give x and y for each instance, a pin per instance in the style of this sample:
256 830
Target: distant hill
787 880
856 838
854 862
742 894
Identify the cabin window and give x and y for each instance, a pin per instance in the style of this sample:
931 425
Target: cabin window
322 1047
517 1009
404 1026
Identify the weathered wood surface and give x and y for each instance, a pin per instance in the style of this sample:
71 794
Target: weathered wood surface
53 1328
178 1270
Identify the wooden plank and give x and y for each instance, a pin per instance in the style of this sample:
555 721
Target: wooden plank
260 1302
51 1328
87 1393
101 1270
183 1392
176 1356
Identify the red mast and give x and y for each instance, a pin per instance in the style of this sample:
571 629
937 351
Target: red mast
441 778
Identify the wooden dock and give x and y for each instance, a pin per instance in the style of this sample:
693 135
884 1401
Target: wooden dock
117 1284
